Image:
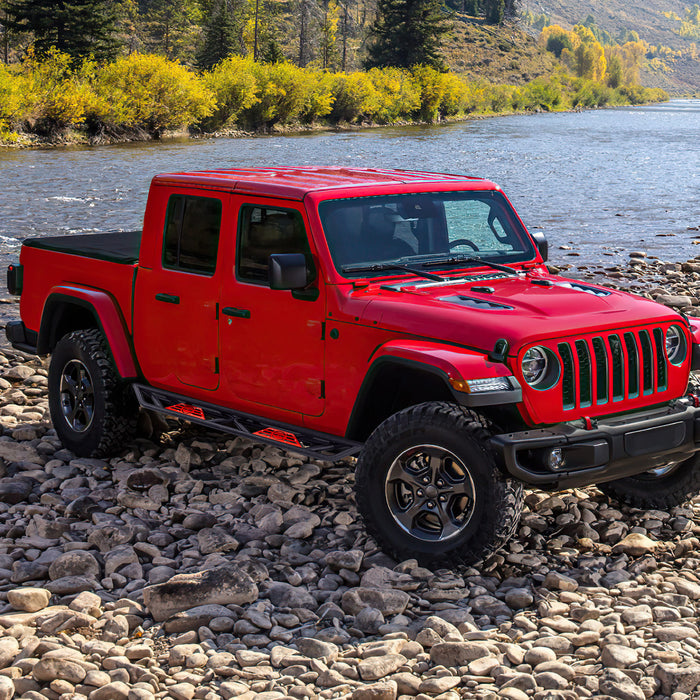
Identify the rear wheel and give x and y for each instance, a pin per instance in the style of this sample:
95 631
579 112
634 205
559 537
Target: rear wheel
428 487
662 488
92 409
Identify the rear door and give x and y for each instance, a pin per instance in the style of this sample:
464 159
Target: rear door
272 340
176 327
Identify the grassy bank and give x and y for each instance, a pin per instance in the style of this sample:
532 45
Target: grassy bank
143 96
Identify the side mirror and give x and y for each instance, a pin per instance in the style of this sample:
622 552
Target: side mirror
288 271
541 243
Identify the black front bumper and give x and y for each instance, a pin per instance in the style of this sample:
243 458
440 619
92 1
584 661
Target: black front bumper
612 449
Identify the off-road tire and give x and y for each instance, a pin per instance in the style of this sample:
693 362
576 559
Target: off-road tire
495 508
657 492
98 418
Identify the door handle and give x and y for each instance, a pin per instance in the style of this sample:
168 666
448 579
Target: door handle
233 311
168 298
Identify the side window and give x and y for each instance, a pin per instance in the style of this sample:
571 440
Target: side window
191 241
263 231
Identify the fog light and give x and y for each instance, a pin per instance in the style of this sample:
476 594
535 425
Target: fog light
555 459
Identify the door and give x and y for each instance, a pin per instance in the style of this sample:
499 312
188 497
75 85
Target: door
272 340
176 327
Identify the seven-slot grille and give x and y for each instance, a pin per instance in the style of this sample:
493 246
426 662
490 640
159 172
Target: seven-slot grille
612 367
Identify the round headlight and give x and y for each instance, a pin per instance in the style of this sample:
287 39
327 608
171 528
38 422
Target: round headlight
534 365
675 345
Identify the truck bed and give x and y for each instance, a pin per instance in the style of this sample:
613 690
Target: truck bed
115 246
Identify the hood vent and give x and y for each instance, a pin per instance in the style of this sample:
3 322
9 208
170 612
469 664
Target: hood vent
584 288
475 303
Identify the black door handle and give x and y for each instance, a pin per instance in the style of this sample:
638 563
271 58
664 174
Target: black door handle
233 311
169 298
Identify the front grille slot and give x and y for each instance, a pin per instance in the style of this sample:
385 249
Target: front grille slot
601 370
647 367
632 366
659 342
613 367
568 380
585 391
618 387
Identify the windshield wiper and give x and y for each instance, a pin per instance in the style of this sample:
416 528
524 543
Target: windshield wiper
381 267
468 258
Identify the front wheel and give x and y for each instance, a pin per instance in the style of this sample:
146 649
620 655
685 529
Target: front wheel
428 487
92 410
661 488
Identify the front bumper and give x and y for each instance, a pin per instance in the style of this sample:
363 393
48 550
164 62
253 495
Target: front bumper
613 448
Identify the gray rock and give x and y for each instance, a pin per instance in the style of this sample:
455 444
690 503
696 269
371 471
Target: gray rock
490 605
216 539
117 690
455 654
351 560
316 649
518 598
376 667
221 586
47 670
678 679
74 563
28 599
7 688
384 690
14 491
387 601
9 648
616 684
284 595
194 618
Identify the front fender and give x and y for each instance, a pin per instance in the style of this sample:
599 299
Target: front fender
107 316
457 365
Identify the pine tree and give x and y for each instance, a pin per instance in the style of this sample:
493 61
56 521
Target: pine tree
80 28
222 35
495 11
408 33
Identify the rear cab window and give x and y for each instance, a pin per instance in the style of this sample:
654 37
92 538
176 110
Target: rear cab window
191 236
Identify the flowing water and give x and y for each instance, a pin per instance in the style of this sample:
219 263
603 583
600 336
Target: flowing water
598 183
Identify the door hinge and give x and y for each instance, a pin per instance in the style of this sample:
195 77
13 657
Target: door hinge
323 389
217 310
323 330
216 365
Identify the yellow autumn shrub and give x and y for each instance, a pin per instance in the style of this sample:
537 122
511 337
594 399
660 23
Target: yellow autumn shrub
152 93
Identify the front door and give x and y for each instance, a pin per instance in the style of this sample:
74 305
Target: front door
271 340
176 327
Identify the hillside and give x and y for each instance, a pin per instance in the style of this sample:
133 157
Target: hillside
495 54
652 21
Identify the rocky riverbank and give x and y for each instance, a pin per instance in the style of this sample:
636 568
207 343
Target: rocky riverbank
206 567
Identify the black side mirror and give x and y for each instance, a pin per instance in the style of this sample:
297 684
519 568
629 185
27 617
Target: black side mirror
541 243
288 271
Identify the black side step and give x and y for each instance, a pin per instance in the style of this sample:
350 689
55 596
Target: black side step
328 448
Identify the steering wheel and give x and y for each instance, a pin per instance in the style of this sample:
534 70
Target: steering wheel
463 241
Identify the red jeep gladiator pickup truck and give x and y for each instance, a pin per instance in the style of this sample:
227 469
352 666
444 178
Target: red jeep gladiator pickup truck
404 317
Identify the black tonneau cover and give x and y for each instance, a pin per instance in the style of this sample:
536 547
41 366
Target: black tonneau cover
115 246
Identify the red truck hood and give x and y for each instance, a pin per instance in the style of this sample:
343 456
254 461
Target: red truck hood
519 309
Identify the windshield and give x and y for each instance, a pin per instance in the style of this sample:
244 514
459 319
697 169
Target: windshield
424 228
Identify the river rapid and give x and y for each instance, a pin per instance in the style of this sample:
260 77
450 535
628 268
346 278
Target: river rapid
599 183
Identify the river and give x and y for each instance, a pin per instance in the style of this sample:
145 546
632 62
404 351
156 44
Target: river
599 183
